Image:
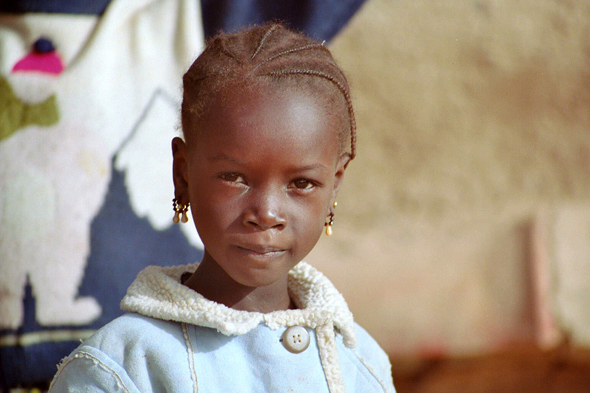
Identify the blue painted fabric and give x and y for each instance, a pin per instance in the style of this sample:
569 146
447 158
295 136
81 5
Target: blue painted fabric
93 7
321 19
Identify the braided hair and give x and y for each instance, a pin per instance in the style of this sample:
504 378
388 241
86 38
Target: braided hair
274 54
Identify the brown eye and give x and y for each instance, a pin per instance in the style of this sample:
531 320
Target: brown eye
232 177
302 184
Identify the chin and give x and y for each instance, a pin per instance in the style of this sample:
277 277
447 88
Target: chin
260 278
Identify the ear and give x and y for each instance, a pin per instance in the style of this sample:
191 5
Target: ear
180 170
339 174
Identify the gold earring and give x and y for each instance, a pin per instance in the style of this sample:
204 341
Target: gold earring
330 221
179 211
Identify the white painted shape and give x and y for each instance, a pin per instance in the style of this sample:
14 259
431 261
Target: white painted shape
146 159
29 196
97 114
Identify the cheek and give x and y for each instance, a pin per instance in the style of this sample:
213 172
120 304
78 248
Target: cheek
308 232
213 224
309 220
211 213
214 213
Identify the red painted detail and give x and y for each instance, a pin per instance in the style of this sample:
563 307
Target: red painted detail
46 63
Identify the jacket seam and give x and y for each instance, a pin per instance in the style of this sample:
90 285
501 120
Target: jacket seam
191 356
96 361
370 369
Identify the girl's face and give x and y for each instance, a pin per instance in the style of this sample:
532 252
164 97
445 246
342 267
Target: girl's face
260 173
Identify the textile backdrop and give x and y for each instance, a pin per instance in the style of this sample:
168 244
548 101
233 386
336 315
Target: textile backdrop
86 119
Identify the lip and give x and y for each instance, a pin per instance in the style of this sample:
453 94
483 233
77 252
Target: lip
261 251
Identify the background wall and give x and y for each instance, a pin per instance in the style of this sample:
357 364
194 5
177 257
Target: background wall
463 226
474 139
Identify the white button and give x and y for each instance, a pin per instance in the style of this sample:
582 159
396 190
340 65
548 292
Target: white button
296 339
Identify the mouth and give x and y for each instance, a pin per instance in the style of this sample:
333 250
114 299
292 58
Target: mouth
261 251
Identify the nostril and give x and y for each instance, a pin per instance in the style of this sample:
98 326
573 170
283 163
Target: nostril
252 223
264 221
265 210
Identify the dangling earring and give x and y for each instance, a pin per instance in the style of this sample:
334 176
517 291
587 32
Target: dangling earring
330 221
179 209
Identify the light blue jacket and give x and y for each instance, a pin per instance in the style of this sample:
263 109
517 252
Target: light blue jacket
175 340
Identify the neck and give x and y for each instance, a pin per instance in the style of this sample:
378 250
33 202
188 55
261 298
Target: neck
211 281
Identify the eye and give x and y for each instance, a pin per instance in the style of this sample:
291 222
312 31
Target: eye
232 177
303 184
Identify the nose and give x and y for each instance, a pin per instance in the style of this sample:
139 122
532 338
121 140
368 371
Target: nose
266 210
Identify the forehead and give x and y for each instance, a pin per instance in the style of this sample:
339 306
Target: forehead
243 115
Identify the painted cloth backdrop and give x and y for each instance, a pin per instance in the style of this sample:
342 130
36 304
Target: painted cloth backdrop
89 101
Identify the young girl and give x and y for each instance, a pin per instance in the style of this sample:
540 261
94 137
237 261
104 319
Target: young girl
268 132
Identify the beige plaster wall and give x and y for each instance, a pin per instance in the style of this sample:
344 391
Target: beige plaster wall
472 116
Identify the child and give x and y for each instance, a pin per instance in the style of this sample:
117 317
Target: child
268 133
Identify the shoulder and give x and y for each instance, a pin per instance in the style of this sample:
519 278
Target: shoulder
370 361
368 347
123 356
131 328
135 338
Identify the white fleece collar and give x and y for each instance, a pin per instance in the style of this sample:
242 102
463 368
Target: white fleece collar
157 293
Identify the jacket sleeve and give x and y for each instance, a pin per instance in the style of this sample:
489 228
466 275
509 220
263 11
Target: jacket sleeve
374 359
86 372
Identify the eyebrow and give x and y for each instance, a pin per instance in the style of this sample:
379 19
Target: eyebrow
312 167
225 157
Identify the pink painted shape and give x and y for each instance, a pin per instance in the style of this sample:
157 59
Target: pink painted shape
547 330
434 350
47 63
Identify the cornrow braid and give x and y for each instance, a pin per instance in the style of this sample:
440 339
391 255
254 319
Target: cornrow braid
289 51
263 52
263 40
